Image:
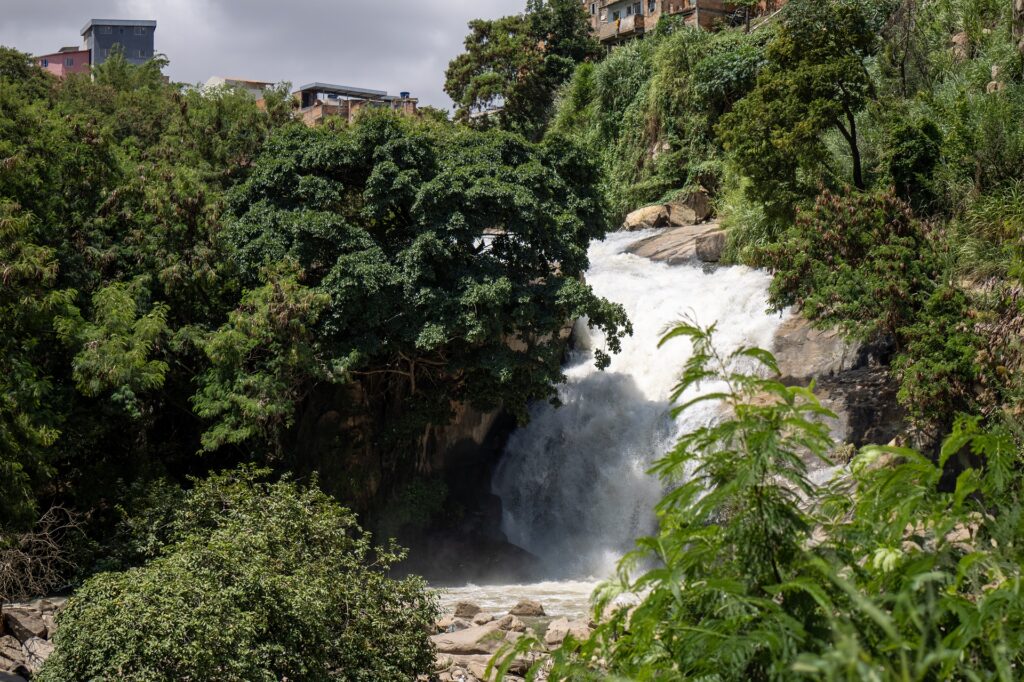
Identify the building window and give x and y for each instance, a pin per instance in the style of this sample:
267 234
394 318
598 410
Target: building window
637 8
141 54
593 8
106 30
615 15
652 5
69 61
44 63
629 11
106 52
140 30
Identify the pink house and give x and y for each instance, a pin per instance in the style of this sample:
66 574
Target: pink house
68 60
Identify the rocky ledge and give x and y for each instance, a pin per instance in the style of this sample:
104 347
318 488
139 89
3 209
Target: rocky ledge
683 244
26 631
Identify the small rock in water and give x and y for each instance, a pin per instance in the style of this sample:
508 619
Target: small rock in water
511 623
452 624
527 607
466 610
482 618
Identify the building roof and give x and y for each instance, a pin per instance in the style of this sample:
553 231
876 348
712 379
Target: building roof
343 91
117 22
214 81
72 48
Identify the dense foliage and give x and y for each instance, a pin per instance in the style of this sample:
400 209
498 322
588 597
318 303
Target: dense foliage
253 581
187 271
758 573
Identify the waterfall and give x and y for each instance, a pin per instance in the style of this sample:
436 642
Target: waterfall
573 483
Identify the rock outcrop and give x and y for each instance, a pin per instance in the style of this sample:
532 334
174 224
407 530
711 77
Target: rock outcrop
687 210
849 380
710 245
561 628
676 245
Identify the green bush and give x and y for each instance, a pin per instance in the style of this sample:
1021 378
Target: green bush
858 261
259 581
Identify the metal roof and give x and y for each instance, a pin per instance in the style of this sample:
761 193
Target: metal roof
343 90
148 23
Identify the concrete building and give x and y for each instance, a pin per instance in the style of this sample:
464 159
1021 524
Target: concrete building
320 101
616 21
253 88
134 37
65 61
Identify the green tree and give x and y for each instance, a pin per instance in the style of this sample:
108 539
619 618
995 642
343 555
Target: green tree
815 80
518 62
450 260
257 581
29 423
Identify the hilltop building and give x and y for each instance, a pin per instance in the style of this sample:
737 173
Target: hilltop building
99 37
320 101
616 21
253 88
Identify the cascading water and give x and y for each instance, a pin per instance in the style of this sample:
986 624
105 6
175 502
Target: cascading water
573 482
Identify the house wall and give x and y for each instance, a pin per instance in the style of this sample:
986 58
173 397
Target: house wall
57 63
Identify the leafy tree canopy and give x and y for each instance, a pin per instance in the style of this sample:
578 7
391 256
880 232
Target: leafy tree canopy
445 263
517 63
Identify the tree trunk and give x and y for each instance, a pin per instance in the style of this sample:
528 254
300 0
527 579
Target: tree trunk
851 139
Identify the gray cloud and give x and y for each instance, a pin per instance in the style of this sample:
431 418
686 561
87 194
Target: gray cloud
390 45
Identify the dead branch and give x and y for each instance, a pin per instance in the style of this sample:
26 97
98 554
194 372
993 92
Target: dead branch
34 563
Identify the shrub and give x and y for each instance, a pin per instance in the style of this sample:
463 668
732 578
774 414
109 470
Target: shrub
260 581
858 261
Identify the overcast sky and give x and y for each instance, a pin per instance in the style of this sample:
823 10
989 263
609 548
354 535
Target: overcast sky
391 45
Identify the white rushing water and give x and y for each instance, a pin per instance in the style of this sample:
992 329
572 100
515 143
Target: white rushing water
573 483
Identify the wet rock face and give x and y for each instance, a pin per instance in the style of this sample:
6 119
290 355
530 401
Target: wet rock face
849 379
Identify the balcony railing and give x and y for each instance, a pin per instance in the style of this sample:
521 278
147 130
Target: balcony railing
624 27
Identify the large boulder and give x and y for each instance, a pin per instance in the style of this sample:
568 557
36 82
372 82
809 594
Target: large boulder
673 245
11 653
647 217
527 607
806 353
481 639
562 628
690 209
512 624
482 618
709 246
36 652
24 624
466 610
452 624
